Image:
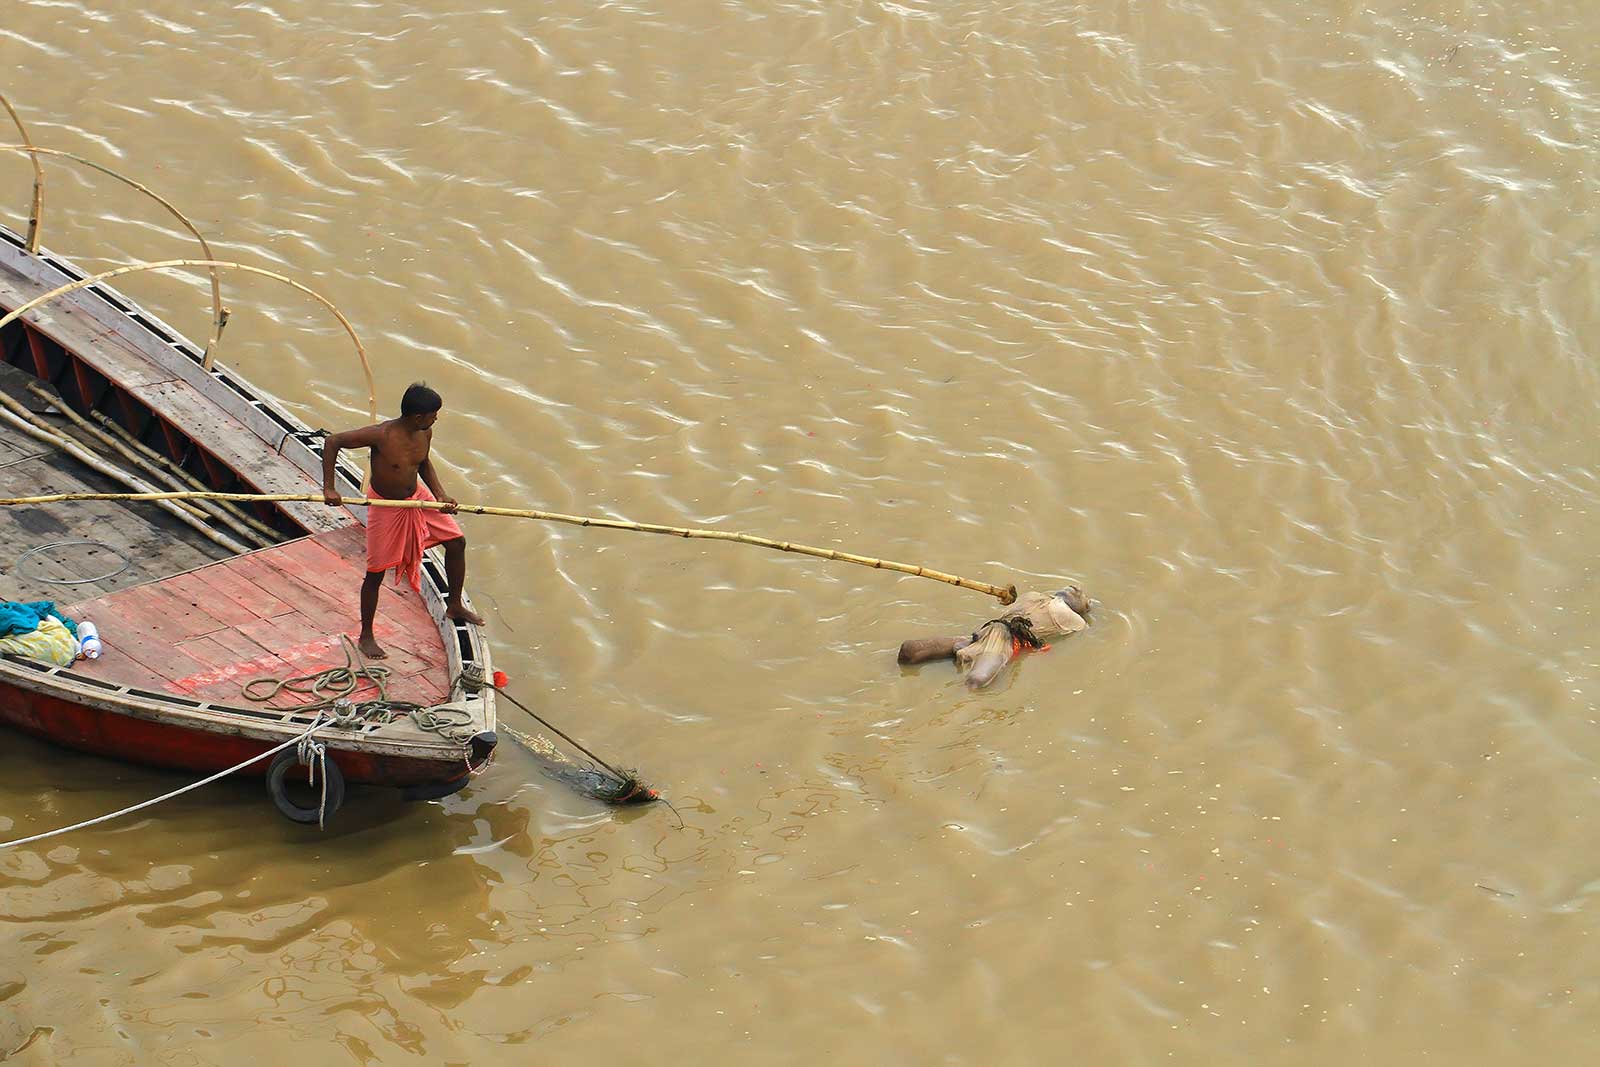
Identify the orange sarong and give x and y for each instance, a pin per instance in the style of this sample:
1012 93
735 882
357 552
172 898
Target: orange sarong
397 537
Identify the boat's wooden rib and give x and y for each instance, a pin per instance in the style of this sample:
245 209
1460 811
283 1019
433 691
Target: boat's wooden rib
187 625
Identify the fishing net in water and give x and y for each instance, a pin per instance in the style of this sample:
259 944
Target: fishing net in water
618 786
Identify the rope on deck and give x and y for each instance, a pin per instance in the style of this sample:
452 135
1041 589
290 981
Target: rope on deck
335 685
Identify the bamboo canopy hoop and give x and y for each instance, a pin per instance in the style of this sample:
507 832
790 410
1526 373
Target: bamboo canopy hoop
166 264
38 177
1004 594
219 314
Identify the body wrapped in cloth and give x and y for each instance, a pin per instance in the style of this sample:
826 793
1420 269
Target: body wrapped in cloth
397 537
1031 623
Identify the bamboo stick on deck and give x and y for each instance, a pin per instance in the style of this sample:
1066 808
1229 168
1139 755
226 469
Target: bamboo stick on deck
144 490
161 479
183 479
1005 594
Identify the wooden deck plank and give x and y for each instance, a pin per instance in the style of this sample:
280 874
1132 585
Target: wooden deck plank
401 662
14 449
240 646
349 543
203 643
115 665
77 332
296 592
192 589
162 615
225 681
287 633
152 542
195 614
224 582
210 652
124 633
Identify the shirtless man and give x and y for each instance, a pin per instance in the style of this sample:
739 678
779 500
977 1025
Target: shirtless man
397 537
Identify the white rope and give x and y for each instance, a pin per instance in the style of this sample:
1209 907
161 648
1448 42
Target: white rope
316 724
312 755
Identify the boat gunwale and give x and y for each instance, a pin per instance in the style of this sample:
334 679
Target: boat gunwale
223 720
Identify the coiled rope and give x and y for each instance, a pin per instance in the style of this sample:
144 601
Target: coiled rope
318 723
335 685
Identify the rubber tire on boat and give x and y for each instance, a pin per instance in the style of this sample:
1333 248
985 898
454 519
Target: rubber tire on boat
279 768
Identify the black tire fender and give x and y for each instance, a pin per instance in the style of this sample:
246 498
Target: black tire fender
285 763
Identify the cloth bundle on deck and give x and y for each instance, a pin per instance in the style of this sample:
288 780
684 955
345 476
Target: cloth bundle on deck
36 630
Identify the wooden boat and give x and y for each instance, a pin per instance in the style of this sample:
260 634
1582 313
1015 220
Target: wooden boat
189 622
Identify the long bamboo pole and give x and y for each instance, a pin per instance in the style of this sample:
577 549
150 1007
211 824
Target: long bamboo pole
158 479
181 478
1004 594
162 477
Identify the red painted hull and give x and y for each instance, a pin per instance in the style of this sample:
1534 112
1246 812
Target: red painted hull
135 740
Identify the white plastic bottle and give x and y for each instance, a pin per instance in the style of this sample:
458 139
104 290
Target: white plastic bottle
88 641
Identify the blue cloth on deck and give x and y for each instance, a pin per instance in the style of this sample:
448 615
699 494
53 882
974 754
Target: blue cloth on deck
22 617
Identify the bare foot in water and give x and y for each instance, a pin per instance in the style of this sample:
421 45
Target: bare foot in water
370 647
459 611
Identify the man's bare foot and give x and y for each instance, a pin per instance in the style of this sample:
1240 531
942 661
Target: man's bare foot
459 611
370 647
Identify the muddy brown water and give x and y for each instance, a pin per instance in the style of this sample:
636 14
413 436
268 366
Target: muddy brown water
1270 324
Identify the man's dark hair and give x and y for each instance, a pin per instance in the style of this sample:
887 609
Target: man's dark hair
419 400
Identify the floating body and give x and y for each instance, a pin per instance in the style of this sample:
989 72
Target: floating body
1033 621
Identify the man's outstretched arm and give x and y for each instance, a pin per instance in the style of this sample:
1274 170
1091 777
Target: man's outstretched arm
430 478
366 437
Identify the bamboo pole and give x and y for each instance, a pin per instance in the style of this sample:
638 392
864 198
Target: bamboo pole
184 478
366 367
209 510
219 314
36 212
1004 594
145 491
100 436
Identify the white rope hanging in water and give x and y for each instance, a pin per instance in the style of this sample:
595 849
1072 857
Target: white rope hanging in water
316 724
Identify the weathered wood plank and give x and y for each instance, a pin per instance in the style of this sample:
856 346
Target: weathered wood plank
194 589
153 543
295 592
160 614
225 582
76 331
138 638
117 666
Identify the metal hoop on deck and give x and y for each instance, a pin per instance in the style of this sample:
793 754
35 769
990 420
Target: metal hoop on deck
17 569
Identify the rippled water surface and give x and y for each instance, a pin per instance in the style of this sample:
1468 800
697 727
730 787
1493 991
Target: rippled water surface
1268 323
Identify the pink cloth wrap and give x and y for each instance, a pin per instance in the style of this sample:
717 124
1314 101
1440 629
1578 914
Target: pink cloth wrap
397 537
